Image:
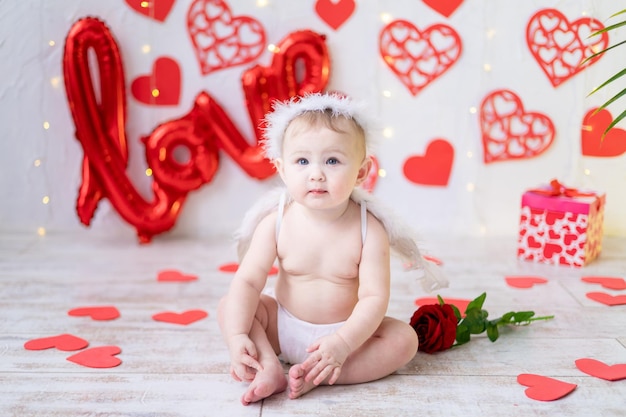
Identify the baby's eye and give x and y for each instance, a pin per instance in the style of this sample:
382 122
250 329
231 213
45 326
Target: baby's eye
302 161
332 161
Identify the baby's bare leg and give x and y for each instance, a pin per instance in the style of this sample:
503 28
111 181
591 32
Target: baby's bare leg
391 347
271 379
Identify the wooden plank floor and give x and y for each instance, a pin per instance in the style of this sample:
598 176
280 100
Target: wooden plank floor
174 370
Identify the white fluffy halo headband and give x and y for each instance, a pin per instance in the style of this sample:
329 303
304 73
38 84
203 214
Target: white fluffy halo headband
277 121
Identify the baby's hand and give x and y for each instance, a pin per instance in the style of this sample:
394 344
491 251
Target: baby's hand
243 358
327 356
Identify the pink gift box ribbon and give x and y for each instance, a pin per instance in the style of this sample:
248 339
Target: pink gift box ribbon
559 198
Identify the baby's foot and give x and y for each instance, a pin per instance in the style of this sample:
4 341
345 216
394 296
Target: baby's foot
298 386
267 382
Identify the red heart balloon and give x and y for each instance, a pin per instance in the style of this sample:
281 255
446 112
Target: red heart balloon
335 13
434 167
593 144
98 357
543 388
602 370
161 87
96 313
183 318
65 342
154 9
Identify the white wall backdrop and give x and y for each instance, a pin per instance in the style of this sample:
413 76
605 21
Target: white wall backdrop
41 159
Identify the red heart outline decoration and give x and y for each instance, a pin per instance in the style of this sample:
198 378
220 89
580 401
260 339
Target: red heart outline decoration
592 143
419 57
334 14
607 299
601 370
156 9
98 357
64 342
560 47
221 40
611 283
161 87
173 275
444 7
524 282
184 318
434 167
542 388
99 313
509 132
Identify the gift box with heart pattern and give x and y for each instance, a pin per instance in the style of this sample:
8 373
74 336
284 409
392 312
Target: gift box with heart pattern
563 229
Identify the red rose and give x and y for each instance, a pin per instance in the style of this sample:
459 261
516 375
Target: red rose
435 326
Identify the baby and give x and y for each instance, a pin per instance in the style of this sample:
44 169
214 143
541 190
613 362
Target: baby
326 313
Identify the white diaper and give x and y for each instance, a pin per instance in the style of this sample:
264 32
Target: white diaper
295 335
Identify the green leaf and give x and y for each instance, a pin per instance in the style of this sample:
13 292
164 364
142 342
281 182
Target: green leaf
477 303
607 82
462 334
441 302
506 318
475 320
457 313
492 332
523 316
590 57
613 123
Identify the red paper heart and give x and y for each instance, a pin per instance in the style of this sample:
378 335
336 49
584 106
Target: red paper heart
221 40
434 167
509 132
602 370
160 88
612 283
184 318
560 46
98 357
65 342
542 388
460 303
608 299
172 275
524 282
419 57
233 266
96 313
613 144
154 9
335 13
444 7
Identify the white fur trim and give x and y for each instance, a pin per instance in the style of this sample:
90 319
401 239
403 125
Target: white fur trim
277 121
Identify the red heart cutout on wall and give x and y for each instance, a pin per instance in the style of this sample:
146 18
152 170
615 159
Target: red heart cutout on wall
510 132
154 9
434 167
96 313
524 282
444 7
608 299
221 40
612 283
98 357
594 125
335 13
172 275
543 388
65 342
560 46
161 87
602 370
419 57
184 318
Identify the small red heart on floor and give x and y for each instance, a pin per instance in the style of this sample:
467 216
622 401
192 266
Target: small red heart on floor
611 283
172 275
96 313
97 357
542 388
524 282
185 318
460 303
65 342
608 299
233 266
602 370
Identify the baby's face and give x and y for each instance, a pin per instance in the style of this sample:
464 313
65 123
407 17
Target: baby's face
321 167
